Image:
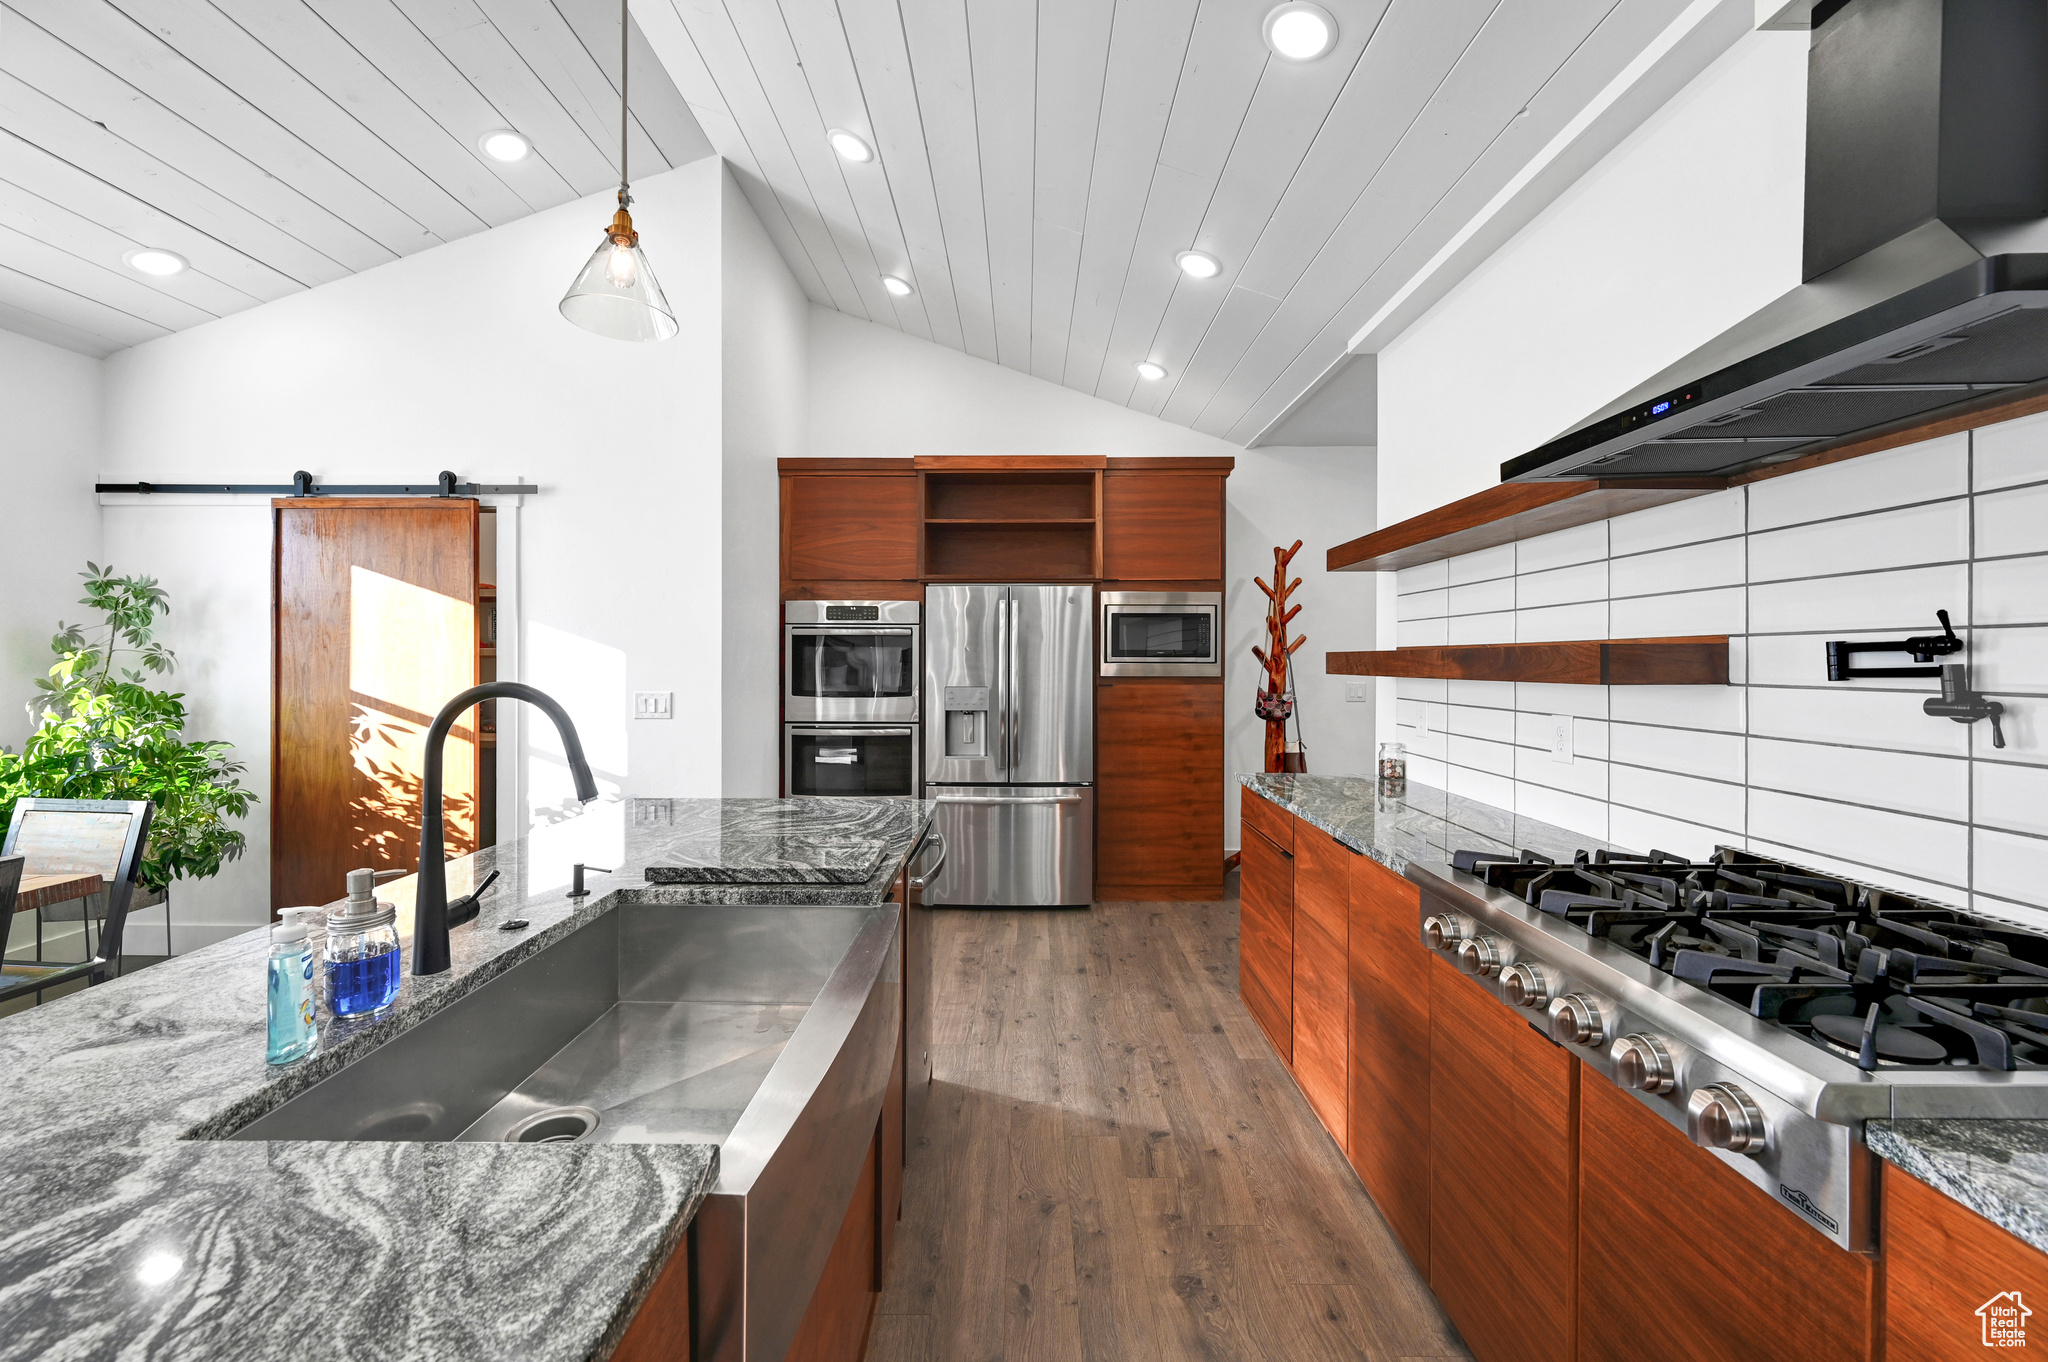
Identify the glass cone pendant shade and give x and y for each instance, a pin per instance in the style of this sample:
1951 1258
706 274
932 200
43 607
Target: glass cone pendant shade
615 294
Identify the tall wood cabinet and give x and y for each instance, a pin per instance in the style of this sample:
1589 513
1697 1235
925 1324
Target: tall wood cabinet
881 529
1389 1062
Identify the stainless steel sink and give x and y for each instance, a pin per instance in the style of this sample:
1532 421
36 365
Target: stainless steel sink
769 1031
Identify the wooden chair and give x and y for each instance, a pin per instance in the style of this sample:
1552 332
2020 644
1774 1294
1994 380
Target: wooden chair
102 837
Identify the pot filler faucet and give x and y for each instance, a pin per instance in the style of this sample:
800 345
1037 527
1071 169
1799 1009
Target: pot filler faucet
431 914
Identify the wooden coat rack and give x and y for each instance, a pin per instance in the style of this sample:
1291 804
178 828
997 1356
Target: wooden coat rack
1274 703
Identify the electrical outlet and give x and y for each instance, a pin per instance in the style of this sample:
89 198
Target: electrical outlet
1561 735
654 704
1357 692
1422 721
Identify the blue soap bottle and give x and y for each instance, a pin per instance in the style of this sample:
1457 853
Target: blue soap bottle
292 1028
363 960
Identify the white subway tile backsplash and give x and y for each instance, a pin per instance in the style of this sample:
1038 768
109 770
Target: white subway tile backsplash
1491 694
1561 586
1715 707
2010 659
1495 628
2011 452
1690 751
1922 472
1680 522
1481 566
1475 722
1579 544
1711 803
1482 597
2011 591
2013 522
2033 919
1921 847
1904 599
1864 718
1935 533
1421 605
1421 633
1850 777
2012 797
1537 697
2011 866
1558 623
1679 614
1423 577
1909 782
1717 563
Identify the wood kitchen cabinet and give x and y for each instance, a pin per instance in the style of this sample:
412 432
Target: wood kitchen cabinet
1648 1195
1388 1125
1503 1174
1265 930
1322 995
1943 1263
1162 519
1159 789
660 1329
848 520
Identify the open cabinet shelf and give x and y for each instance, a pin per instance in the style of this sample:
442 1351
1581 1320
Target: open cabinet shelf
1700 660
986 524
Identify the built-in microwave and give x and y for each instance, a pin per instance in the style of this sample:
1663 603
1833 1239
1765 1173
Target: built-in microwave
1162 633
864 761
850 662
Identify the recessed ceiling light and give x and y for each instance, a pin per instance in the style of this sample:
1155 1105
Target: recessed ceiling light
150 260
1150 371
900 287
1199 264
159 1268
850 146
1300 31
503 144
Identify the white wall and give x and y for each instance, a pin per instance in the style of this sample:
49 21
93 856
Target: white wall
765 326
878 393
456 358
49 432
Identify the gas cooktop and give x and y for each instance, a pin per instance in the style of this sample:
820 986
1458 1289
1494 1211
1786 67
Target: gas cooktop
1870 975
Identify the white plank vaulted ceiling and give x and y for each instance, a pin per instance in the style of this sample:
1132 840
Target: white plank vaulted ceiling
1041 162
279 144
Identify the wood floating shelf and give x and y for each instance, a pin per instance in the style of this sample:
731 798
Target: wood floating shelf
1506 513
1701 660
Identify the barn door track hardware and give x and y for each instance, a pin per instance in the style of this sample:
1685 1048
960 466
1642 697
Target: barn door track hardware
303 484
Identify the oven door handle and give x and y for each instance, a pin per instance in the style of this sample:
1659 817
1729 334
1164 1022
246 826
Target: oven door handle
932 871
864 731
1008 799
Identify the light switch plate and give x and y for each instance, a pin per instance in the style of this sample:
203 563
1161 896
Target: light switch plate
654 704
1561 738
1422 721
1357 692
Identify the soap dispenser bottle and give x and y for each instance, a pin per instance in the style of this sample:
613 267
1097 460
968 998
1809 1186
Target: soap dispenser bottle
292 1029
363 960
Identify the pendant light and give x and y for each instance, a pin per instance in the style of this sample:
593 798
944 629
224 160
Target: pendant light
615 294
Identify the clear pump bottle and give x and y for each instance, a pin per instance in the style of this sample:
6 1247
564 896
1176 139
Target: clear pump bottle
363 959
292 1026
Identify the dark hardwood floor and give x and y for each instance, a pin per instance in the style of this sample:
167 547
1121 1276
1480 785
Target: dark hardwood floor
1118 1169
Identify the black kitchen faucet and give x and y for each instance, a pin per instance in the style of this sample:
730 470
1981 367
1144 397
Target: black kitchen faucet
431 914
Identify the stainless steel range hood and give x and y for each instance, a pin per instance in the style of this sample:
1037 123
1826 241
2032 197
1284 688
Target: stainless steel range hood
1926 255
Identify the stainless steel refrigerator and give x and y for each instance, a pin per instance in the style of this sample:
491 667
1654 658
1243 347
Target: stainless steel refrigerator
1009 750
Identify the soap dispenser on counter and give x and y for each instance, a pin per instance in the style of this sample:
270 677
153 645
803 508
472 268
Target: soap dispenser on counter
363 962
290 991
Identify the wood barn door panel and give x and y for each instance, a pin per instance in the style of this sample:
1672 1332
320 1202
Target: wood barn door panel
374 630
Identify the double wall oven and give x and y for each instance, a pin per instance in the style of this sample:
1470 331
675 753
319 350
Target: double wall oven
850 673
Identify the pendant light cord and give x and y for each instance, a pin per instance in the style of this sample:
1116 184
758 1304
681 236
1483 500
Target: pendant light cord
625 72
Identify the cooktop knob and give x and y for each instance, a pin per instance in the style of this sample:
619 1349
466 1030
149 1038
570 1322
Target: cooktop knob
1480 955
1443 931
1723 1116
1576 1019
1524 985
1641 1062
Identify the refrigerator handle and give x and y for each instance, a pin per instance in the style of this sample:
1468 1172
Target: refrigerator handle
1016 714
999 712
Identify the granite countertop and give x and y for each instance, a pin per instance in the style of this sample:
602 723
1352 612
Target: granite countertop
1998 1168
1425 824
129 1227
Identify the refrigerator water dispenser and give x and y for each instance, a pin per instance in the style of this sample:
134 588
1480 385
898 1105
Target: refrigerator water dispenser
966 721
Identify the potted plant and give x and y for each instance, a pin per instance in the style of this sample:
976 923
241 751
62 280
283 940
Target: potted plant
102 733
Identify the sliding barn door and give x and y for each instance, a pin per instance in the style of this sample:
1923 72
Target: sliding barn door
374 630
